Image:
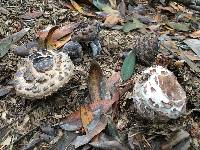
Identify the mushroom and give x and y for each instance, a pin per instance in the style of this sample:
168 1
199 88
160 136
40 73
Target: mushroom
158 96
42 73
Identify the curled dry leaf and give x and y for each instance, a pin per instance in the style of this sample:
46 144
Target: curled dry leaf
51 43
58 33
57 44
97 83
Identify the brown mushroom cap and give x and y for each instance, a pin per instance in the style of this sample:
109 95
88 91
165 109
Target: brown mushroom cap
158 95
42 73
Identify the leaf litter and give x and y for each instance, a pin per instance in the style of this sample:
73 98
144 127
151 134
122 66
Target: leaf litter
72 108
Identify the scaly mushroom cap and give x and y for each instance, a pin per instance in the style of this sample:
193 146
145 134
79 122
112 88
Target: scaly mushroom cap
158 95
42 73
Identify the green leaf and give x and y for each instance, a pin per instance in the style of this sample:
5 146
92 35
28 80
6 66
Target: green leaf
105 7
128 66
179 26
6 43
129 26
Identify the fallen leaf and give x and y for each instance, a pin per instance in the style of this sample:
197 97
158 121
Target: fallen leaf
51 44
129 26
179 26
86 117
57 44
113 16
128 66
169 9
80 9
112 20
5 44
195 34
31 15
194 44
73 121
172 47
96 83
84 139
102 141
58 33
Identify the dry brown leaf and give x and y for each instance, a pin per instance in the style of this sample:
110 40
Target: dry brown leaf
170 9
94 79
80 9
195 34
112 20
53 44
58 33
86 117
73 121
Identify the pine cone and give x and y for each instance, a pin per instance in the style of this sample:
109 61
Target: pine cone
146 49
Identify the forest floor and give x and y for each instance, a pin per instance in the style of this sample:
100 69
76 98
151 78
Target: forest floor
29 124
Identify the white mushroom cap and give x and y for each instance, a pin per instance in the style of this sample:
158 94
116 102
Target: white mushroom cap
158 95
54 72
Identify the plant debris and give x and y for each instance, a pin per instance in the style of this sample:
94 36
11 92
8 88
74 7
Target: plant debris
109 44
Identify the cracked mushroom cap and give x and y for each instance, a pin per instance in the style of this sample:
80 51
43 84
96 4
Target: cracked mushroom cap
42 73
158 96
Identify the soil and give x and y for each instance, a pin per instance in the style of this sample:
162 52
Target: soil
21 118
